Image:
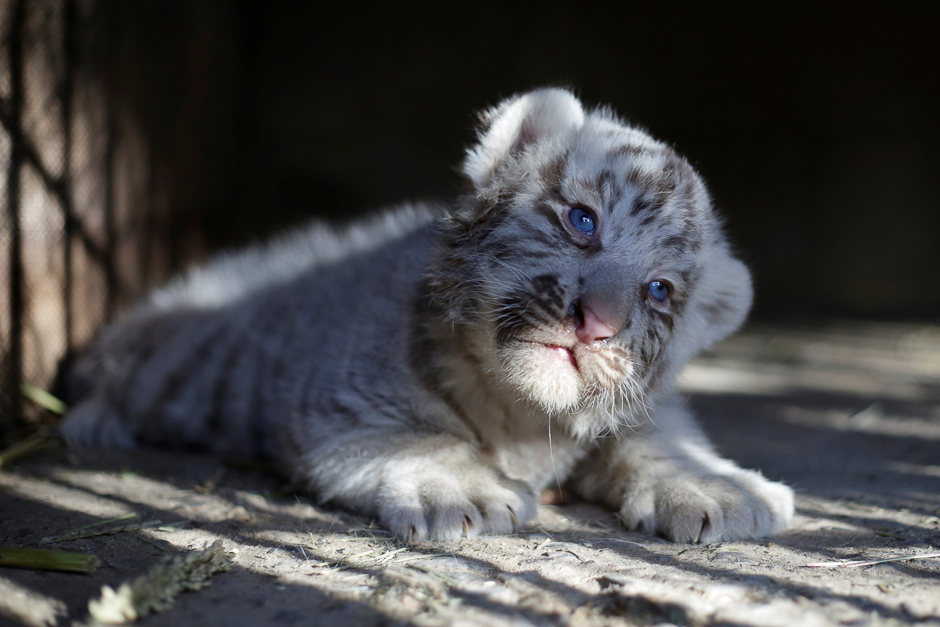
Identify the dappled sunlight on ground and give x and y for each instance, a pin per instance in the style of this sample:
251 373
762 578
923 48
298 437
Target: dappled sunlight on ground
861 446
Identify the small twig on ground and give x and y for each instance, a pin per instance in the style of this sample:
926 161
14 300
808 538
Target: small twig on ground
560 548
860 563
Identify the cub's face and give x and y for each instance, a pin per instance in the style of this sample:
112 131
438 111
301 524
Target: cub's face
588 263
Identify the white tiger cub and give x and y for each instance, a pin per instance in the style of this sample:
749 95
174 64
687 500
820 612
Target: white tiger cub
440 372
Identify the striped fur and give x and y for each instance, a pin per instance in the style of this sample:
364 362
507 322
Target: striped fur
439 368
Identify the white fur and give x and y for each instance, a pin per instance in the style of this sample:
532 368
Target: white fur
232 275
380 365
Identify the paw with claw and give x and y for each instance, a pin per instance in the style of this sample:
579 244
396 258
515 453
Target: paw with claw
444 501
716 508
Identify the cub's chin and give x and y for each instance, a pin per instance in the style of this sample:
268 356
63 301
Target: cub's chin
546 375
564 379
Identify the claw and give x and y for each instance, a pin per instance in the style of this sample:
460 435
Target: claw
705 522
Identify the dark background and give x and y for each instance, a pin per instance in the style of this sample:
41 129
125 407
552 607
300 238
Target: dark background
816 126
139 136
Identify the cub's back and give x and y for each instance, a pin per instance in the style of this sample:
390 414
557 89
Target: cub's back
232 275
218 358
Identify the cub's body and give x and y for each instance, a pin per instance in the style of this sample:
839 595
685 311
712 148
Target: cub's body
439 368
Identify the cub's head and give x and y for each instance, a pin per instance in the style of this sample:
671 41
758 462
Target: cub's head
587 264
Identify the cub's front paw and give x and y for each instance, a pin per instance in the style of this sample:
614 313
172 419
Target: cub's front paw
451 500
707 509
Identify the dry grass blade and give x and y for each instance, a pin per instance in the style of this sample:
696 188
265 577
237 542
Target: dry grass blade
176 526
150 542
423 556
76 535
385 557
430 571
355 561
39 441
43 399
106 521
47 559
859 563
210 483
156 591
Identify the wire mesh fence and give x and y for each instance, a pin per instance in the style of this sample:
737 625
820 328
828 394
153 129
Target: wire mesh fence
83 214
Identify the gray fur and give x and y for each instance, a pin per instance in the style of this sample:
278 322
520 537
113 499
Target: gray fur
439 369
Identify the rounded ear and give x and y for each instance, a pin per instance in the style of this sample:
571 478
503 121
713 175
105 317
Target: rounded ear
720 304
725 296
514 124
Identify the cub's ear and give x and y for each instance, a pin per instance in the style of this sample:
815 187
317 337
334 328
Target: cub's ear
514 124
724 297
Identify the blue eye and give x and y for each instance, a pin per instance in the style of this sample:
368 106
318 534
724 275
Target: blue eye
659 290
582 219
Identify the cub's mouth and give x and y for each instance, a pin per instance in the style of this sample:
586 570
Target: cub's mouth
564 353
557 352
573 354
565 375
576 355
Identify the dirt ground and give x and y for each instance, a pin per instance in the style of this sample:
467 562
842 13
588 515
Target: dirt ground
846 413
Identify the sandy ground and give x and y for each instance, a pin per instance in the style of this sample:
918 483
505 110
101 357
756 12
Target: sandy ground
847 413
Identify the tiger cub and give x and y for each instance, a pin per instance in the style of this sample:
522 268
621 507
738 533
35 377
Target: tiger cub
439 368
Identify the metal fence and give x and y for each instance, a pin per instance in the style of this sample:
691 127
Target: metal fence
84 216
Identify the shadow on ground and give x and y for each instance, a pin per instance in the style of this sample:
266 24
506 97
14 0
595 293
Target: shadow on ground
866 468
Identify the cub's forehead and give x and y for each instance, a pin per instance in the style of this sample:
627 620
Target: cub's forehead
602 137
628 156
617 169
646 194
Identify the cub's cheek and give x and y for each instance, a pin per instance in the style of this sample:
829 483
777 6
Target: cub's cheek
605 365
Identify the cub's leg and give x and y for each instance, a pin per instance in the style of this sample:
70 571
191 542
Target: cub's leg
93 423
670 482
430 487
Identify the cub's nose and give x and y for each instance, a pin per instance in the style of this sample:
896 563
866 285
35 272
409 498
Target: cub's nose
588 325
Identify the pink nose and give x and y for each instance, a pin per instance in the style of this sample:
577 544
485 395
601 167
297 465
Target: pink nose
589 328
